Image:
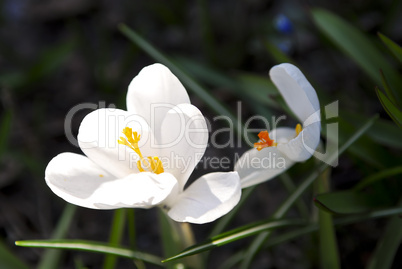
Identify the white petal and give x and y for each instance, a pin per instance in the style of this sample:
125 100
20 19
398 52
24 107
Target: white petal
255 166
98 135
74 178
79 181
296 90
184 138
153 92
303 146
141 190
208 198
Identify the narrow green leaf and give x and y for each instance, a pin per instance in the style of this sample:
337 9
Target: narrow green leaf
234 235
277 54
387 88
8 260
116 234
132 237
357 46
260 89
91 246
51 257
392 46
392 110
384 132
388 245
175 237
284 208
384 174
285 237
350 202
329 256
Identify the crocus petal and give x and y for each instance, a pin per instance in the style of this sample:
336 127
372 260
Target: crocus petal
184 138
98 135
256 166
296 90
78 180
302 147
208 198
142 190
153 92
75 177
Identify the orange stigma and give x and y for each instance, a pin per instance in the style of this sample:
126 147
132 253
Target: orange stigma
265 141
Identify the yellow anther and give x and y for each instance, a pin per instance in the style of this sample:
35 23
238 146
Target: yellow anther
152 164
298 129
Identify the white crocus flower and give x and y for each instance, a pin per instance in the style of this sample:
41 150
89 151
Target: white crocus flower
279 149
143 157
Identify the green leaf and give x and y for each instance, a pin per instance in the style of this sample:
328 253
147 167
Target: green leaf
387 88
357 46
384 174
292 235
260 89
8 260
175 237
115 236
234 235
277 54
351 202
392 46
388 245
91 246
329 255
383 131
392 110
51 257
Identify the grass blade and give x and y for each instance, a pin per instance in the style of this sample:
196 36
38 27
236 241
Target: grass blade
91 246
357 46
329 255
388 245
390 108
51 257
234 235
115 236
392 46
8 260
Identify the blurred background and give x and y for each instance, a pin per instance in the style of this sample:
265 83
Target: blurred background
57 54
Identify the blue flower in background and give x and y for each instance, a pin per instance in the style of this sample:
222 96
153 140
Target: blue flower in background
283 24
13 10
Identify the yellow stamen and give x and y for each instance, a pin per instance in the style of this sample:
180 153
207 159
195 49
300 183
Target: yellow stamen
152 164
298 129
265 141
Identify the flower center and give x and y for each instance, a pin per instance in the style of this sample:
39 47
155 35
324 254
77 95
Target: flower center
265 141
151 164
268 142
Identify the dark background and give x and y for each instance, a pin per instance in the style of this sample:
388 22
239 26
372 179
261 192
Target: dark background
57 54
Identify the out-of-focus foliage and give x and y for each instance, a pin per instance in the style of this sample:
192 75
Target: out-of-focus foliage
57 54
